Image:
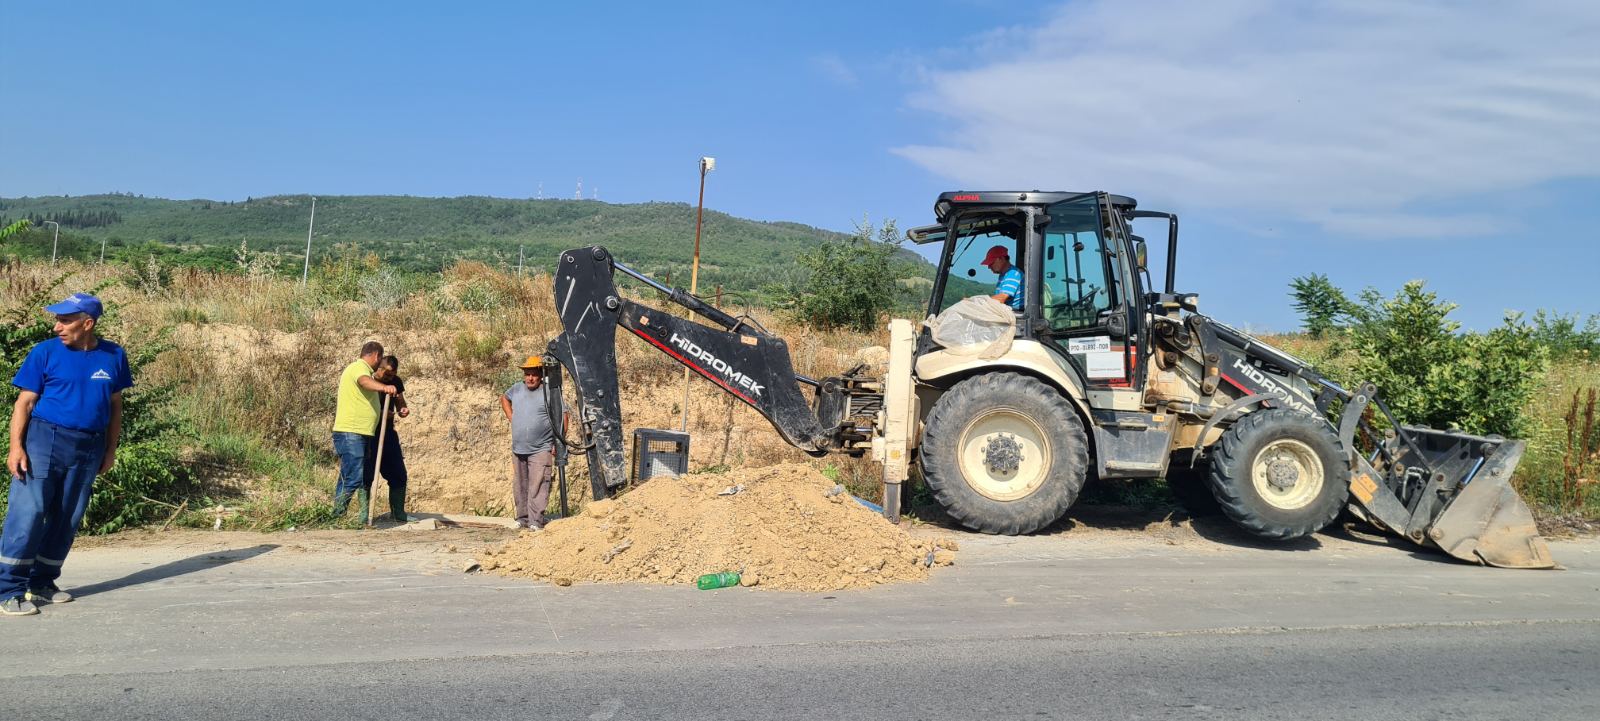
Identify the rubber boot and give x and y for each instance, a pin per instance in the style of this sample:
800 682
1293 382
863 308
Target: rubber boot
364 497
341 503
397 504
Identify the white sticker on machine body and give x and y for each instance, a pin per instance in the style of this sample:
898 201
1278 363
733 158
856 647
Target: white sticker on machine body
1104 364
1093 344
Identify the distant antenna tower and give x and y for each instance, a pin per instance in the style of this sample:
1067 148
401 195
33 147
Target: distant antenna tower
595 194
579 195
541 191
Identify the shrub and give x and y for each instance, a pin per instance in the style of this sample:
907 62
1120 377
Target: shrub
845 284
147 476
1431 375
149 277
479 297
180 314
382 290
1562 336
478 355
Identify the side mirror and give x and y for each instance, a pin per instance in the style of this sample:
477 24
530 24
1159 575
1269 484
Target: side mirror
1141 254
1117 325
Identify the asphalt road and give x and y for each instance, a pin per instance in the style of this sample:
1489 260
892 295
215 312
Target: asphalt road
1120 627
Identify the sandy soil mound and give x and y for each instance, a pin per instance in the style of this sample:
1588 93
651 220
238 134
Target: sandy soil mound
782 530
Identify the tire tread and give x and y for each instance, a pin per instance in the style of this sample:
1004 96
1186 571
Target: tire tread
1229 476
972 510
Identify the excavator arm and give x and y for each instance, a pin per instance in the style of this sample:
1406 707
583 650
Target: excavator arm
736 355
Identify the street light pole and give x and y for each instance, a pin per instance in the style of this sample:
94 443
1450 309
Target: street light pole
55 241
707 165
102 249
306 271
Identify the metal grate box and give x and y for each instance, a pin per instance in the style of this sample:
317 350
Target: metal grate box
659 452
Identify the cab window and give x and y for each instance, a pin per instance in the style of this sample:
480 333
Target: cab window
967 276
1076 286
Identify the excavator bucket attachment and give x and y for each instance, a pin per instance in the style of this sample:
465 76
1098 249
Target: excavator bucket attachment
1452 491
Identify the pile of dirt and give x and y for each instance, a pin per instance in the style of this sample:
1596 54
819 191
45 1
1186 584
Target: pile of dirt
781 527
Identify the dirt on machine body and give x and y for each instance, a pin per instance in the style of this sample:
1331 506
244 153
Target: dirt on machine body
1100 373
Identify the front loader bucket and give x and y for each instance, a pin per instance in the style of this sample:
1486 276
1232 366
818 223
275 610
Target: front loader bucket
1487 522
1466 506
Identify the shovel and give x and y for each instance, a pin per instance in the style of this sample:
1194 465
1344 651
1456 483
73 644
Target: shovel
377 463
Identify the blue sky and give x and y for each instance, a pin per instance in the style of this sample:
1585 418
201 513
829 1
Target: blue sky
1376 142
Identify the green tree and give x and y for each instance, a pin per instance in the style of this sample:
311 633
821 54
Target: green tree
1323 306
847 283
1564 337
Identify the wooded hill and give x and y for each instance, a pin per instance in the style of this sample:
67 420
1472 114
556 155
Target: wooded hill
418 234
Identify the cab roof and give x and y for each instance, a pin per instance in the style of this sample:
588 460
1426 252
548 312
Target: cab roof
955 198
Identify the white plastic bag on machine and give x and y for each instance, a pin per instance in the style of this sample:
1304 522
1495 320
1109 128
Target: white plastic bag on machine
977 326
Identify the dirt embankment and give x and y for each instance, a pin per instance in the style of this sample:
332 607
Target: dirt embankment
457 443
781 527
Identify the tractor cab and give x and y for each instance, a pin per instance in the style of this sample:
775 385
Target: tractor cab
1083 276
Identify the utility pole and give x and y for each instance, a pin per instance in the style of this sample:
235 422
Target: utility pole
55 241
519 261
707 165
102 250
306 271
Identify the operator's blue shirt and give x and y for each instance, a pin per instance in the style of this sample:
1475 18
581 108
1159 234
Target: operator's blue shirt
1011 282
74 386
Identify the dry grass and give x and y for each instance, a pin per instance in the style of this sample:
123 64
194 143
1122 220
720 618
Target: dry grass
256 360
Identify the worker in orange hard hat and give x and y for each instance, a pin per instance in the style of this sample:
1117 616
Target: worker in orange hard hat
533 443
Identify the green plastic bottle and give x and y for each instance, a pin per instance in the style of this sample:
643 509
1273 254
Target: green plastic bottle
712 581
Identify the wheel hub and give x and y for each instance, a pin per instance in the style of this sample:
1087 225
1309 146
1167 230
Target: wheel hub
1283 473
1287 474
1002 454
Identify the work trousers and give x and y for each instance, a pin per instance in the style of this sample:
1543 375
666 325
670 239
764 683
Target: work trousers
47 504
356 458
530 485
393 465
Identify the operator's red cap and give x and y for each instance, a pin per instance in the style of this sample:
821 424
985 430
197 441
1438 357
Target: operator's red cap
996 253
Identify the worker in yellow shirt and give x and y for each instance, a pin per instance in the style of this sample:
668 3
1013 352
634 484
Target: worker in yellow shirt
355 428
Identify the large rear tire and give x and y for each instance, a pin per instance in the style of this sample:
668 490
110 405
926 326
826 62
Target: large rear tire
1004 453
1279 474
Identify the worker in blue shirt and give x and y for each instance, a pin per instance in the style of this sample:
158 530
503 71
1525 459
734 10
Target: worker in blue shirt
64 432
1009 288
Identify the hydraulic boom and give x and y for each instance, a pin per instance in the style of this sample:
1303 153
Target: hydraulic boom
738 355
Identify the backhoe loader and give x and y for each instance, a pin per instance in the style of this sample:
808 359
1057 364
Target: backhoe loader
1105 377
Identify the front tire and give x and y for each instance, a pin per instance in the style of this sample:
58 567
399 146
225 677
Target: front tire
1280 474
1004 453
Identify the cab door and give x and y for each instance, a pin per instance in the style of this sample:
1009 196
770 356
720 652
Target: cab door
1083 292
1087 299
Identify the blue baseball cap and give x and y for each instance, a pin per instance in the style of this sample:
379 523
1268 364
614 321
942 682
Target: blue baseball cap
77 303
